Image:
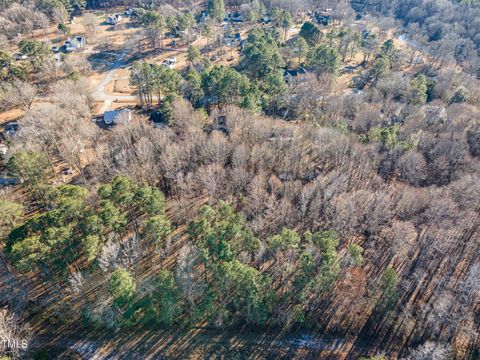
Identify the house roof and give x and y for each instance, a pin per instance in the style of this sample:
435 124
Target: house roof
295 72
236 36
3 149
111 116
114 18
76 42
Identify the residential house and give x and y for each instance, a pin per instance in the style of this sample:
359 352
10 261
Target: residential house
202 17
323 18
114 117
293 75
3 150
234 17
266 19
11 129
232 39
75 44
170 63
114 19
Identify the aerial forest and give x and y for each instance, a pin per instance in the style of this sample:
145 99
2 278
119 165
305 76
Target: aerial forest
232 179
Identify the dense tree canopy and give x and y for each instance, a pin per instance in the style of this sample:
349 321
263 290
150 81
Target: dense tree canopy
324 60
216 9
71 228
320 167
261 56
223 85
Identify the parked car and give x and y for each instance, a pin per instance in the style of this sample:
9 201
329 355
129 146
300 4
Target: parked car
55 49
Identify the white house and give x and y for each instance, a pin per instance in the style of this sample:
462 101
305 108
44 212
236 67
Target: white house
114 19
170 63
75 44
3 149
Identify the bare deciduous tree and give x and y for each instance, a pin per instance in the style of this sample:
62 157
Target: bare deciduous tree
19 93
431 350
109 256
14 334
412 168
188 259
75 282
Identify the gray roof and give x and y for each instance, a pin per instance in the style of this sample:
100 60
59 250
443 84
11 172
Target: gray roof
295 72
112 116
77 42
